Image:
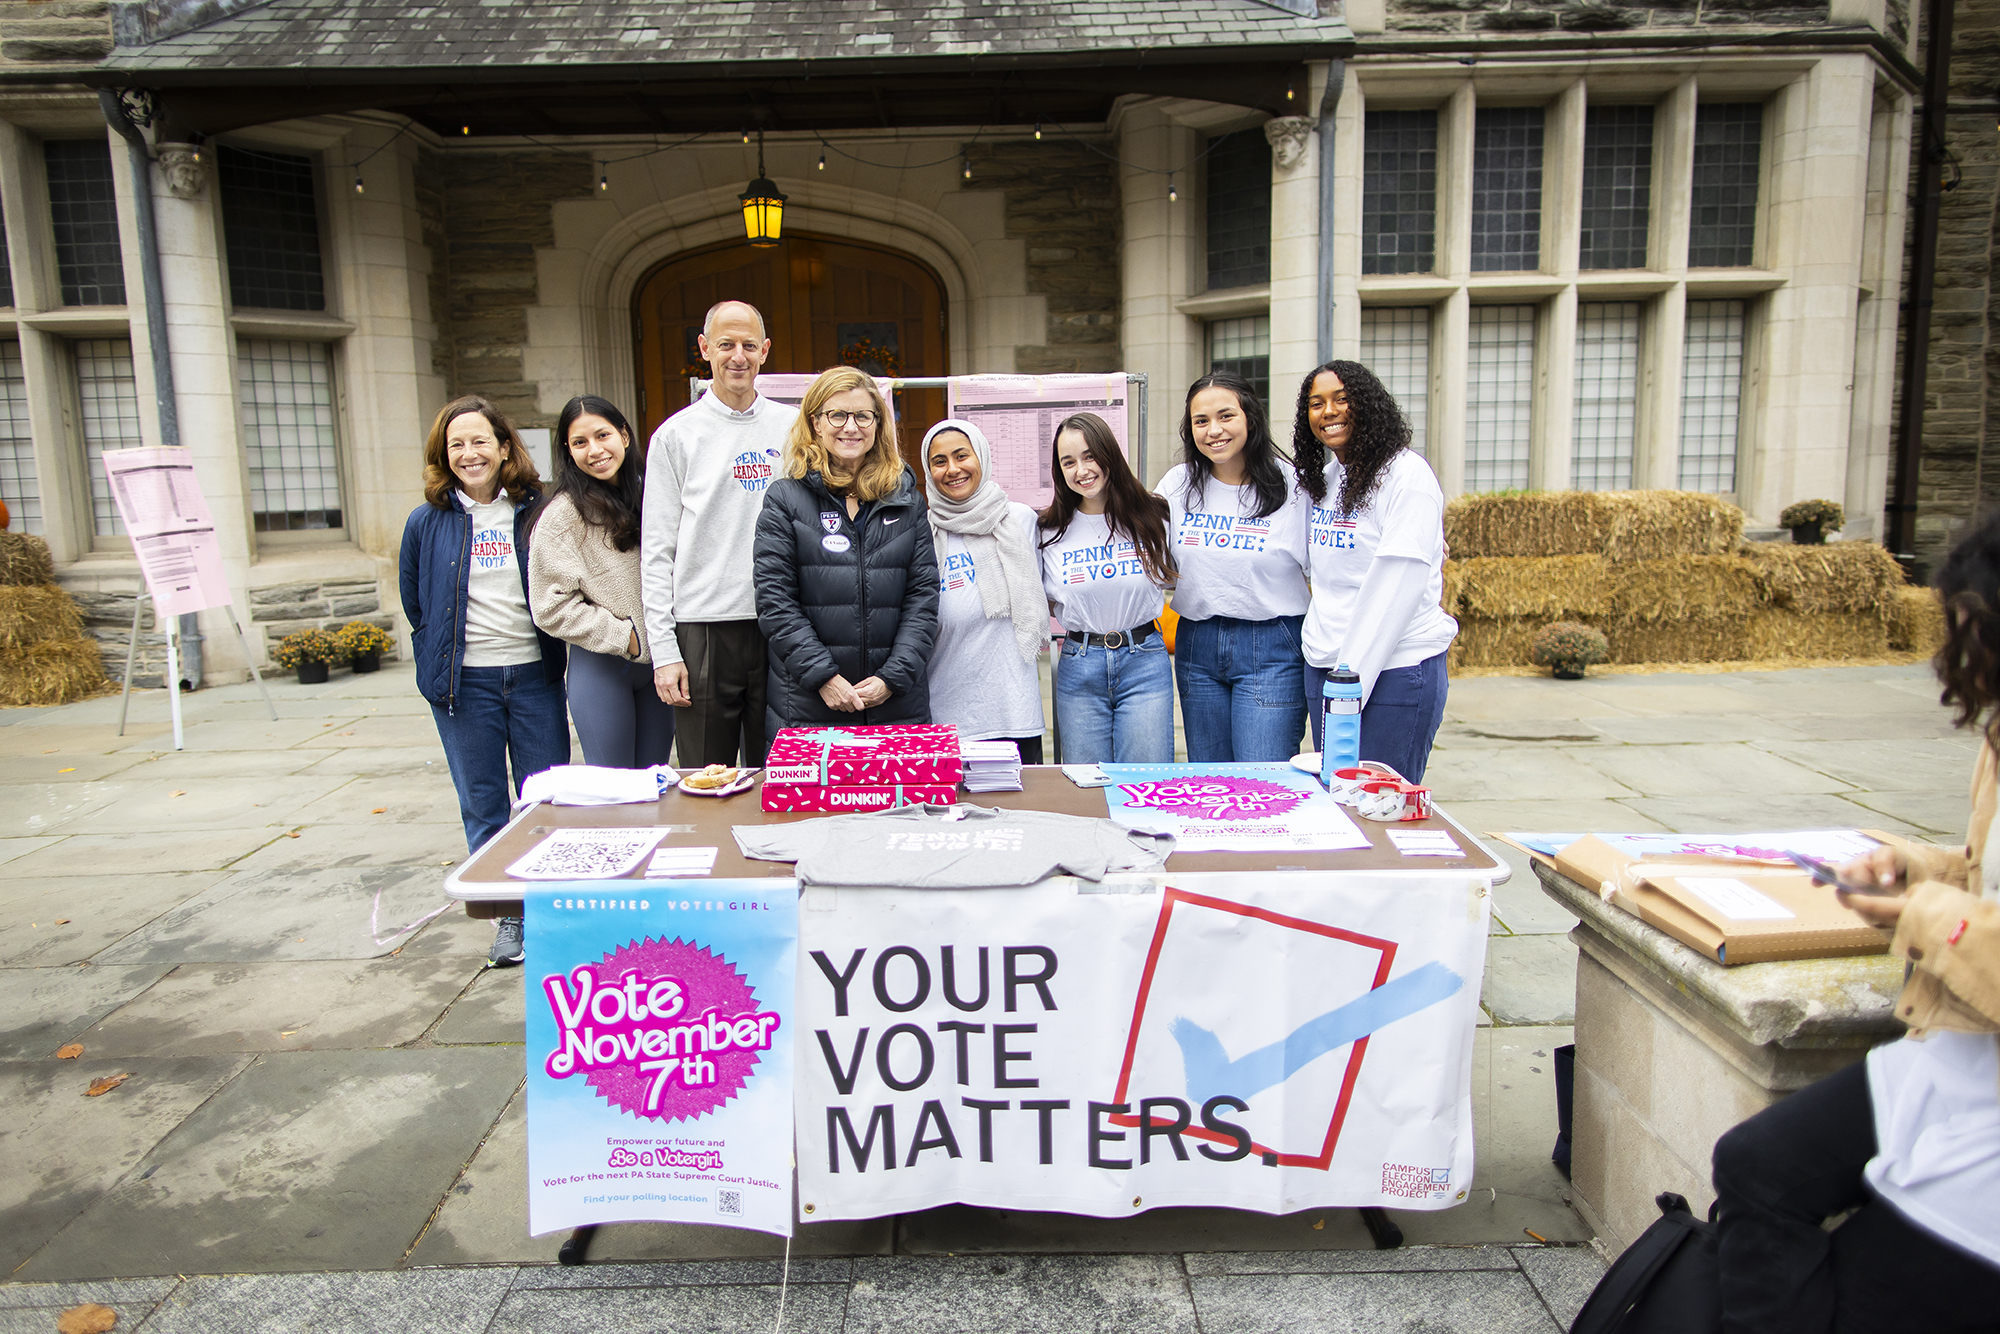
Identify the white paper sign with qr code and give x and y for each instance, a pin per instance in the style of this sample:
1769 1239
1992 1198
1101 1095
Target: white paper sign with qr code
586 854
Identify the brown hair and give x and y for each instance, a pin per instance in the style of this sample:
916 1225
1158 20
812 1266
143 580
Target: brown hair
1128 506
1968 662
881 466
517 467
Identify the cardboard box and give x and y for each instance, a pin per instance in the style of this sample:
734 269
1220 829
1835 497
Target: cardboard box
818 797
925 754
1732 911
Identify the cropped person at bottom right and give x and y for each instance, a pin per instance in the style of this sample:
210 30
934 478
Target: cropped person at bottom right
1375 548
1908 1139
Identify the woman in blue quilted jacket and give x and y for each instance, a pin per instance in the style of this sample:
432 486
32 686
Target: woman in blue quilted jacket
494 681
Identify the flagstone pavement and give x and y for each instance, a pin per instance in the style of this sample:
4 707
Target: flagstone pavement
323 1126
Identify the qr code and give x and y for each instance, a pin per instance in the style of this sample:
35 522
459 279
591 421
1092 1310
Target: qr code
584 854
729 1202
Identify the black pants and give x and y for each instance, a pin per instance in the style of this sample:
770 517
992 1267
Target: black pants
1786 1170
726 682
1031 748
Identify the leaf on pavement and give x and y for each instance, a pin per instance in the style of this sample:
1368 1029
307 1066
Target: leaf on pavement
293 834
62 921
70 770
90 1318
99 1087
380 810
69 1051
178 792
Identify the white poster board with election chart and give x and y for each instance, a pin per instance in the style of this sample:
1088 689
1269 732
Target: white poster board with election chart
1018 414
173 533
1251 1041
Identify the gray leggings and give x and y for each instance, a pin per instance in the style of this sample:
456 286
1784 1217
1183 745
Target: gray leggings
619 716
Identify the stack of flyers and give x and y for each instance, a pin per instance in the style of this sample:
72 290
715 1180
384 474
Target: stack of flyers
991 766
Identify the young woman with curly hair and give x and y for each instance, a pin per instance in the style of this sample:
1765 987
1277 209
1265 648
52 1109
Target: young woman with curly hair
1909 1138
1376 549
494 682
583 581
1239 528
1106 566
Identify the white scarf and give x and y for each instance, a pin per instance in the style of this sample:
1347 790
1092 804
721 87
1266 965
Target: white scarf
1009 573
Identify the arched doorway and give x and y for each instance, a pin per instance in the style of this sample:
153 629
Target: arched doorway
825 303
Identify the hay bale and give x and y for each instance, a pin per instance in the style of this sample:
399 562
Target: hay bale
24 559
1493 643
1915 620
1681 589
52 673
32 613
1839 577
1780 633
1690 639
1540 589
1619 525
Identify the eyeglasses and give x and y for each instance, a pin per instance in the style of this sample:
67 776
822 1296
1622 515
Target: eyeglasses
865 420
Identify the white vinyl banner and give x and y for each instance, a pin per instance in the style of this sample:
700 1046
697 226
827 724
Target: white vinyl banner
1267 1042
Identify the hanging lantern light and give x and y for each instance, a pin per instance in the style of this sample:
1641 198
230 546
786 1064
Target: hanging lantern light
763 205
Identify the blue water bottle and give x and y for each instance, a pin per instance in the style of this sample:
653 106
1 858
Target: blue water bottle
1340 706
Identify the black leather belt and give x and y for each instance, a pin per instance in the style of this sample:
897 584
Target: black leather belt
1119 638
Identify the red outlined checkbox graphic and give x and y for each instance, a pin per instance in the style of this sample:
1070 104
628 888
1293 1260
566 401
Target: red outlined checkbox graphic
1174 898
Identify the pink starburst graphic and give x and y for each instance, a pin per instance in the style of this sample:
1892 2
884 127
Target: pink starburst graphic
661 1029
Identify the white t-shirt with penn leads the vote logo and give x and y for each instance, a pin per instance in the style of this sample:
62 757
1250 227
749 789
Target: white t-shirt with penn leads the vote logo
1403 518
1232 563
1097 583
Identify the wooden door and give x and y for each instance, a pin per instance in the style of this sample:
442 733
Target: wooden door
826 303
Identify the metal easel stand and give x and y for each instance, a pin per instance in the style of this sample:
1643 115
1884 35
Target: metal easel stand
174 667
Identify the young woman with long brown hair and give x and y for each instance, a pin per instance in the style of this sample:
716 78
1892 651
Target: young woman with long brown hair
1106 566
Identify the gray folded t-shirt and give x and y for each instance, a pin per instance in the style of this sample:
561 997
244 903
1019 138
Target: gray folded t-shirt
952 847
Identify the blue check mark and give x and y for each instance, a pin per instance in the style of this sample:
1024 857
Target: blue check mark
1210 1071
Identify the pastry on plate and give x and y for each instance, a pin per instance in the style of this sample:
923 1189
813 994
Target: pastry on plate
712 777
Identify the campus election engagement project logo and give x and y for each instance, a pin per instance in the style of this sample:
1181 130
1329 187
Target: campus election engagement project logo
660 1082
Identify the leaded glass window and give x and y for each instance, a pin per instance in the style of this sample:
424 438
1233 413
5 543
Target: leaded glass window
1617 186
288 423
20 487
83 208
108 393
1399 192
271 225
1711 395
1499 397
1239 210
1507 189
1243 347
1396 345
1728 138
1606 410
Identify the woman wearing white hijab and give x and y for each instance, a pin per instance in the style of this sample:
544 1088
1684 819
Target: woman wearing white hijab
993 618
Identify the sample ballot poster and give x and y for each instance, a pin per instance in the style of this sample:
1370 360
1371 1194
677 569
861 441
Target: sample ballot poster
1249 1044
173 533
1019 414
1231 807
660 1053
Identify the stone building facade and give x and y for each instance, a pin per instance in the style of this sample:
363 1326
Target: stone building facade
1310 180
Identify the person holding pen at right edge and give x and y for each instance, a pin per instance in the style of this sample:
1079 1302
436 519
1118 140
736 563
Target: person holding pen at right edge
1376 551
1239 530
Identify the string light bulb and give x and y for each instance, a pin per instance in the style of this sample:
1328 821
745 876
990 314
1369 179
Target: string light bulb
1038 128
603 176
1291 94
1173 195
746 136
357 180
465 129
822 159
965 167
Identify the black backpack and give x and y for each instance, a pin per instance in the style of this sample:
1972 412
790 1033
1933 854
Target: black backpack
1669 1281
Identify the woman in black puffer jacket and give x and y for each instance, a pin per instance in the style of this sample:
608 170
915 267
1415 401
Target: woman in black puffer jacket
847 582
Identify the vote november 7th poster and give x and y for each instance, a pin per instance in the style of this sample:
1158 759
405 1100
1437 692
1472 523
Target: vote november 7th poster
660 1052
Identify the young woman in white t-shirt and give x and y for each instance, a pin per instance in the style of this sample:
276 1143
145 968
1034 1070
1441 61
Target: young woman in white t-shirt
1106 566
1239 538
1376 551
993 622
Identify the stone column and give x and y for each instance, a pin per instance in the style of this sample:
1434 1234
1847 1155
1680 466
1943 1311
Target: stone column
1665 349
1294 256
1157 269
1813 233
1869 443
1350 130
195 280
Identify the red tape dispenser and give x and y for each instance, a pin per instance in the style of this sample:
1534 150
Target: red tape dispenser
1390 800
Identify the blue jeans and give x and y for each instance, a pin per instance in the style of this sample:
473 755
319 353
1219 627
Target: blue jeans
502 712
1115 704
1242 687
1401 717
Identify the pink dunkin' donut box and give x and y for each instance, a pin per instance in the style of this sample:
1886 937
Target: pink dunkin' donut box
862 768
